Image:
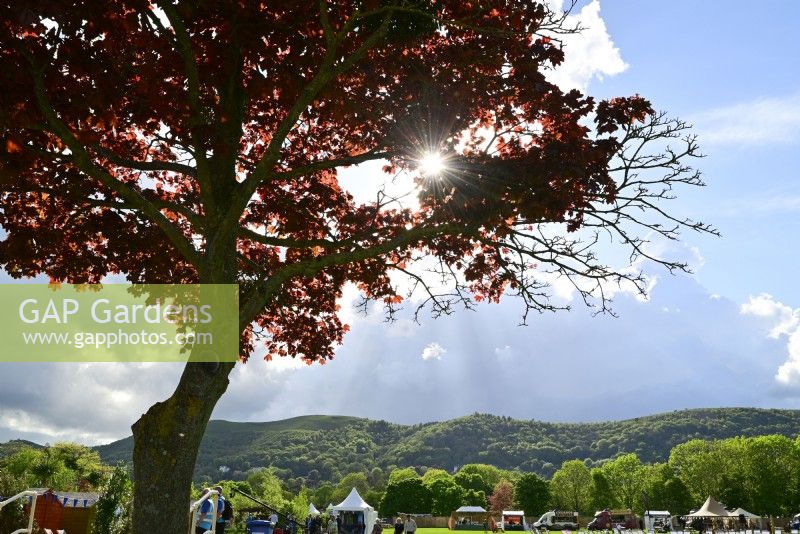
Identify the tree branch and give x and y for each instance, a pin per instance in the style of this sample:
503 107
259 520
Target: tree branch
147 166
184 49
262 293
328 71
83 162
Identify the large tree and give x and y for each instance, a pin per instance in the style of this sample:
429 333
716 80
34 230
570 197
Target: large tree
407 495
199 142
446 495
570 487
626 479
531 493
502 497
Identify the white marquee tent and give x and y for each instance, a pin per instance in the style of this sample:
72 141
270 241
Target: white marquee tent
747 515
312 510
354 503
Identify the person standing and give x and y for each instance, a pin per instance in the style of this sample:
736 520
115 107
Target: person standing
377 528
204 516
398 525
333 525
221 505
273 519
410 526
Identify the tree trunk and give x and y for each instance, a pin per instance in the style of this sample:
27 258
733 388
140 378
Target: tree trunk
166 440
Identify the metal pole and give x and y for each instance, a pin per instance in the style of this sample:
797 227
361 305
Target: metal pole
33 513
195 505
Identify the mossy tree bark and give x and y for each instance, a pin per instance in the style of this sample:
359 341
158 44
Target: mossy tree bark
166 442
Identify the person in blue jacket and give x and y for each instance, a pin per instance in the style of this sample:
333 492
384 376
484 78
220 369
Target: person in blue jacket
205 517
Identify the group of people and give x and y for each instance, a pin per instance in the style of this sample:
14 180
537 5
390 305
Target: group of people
339 524
409 526
348 523
206 516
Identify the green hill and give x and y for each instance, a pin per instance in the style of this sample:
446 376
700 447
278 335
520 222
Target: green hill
10 447
324 448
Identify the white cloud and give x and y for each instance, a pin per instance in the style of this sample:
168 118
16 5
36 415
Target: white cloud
433 351
765 120
785 323
461 358
88 402
589 54
786 319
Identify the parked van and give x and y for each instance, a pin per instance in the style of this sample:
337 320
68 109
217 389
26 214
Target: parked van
513 520
558 520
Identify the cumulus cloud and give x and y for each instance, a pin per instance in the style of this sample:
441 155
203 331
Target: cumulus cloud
784 324
569 366
87 402
433 351
765 120
589 54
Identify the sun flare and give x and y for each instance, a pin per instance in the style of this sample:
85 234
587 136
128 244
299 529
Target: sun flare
432 164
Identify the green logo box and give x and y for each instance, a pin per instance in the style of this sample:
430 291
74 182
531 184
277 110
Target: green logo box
119 323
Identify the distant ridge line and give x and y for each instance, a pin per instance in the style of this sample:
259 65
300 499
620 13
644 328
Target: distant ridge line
321 447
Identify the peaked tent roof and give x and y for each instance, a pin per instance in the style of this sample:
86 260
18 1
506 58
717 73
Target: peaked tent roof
353 502
312 510
710 508
745 513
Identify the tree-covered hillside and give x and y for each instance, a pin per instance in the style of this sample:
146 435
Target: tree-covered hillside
319 448
10 447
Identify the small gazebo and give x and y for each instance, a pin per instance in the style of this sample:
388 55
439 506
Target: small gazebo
469 518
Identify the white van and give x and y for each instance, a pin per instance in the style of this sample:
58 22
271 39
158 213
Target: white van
558 520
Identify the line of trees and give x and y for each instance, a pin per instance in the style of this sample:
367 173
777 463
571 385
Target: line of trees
760 474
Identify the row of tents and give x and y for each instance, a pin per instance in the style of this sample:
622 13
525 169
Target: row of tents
712 509
364 514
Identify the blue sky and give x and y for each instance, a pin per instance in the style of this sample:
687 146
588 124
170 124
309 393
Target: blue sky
728 335
734 59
